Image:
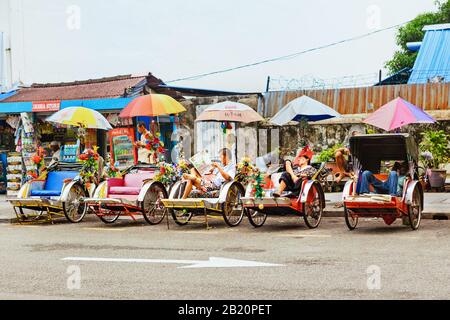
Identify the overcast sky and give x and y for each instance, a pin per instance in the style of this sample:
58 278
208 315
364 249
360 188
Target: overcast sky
179 38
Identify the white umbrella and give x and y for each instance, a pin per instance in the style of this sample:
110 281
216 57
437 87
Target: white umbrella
304 108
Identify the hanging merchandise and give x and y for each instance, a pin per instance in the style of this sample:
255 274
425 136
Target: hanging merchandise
14 173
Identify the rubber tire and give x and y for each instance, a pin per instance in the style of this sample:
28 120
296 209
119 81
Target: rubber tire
253 222
417 225
66 213
347 220
321 204
241 217
149 220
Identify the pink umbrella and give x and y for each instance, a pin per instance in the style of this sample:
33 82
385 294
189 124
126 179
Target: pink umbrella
231 112
396 114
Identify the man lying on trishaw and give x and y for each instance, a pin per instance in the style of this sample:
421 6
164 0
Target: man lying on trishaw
297 192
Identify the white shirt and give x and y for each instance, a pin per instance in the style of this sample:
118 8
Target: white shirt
229 169
143 152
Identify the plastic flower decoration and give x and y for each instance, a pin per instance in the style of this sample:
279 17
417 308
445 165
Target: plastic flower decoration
245 171
155 145
167 173
89 171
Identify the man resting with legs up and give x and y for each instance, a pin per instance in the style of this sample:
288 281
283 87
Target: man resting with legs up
391 186
221 173
291 179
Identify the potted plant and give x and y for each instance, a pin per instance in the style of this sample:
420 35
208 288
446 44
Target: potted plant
435 152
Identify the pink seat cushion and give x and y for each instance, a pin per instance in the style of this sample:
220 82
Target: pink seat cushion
125 190
137 179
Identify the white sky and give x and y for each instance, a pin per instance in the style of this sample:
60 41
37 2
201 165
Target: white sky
178 38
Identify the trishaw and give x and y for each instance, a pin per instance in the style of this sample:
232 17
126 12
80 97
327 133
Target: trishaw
369 152
225 202
308 202
133 194
57 192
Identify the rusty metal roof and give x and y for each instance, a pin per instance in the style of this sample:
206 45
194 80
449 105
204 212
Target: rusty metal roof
112 87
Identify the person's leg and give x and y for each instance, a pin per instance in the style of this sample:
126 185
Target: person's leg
187 189
285 183
392 183
290 171
367 179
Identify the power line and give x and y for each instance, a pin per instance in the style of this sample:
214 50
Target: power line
286 57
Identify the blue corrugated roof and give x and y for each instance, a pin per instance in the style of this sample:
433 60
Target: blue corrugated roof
97 104
6 95
433 59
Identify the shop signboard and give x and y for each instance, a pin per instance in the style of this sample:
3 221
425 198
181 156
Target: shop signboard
123 153
46 106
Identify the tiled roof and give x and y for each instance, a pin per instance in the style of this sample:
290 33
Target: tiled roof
112 87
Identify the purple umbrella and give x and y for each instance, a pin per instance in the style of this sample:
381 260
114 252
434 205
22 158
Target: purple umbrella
396 114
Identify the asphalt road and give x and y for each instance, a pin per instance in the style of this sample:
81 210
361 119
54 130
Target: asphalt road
373 262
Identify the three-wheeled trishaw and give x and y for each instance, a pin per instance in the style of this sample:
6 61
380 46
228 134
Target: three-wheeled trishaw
56 193
308 202
225 202
133 194
369 152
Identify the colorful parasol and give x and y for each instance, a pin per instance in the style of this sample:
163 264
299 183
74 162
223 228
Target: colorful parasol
231 112
396 114
80 117
152 105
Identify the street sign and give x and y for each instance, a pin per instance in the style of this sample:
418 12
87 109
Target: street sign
213 262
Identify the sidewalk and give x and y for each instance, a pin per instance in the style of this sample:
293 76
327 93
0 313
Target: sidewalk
436 205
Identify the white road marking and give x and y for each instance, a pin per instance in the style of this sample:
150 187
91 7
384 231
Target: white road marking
103 229
305 235
213 262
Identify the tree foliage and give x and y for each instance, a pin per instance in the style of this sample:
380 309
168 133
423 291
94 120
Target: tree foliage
412 32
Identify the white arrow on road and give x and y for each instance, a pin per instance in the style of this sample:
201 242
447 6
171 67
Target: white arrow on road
213 262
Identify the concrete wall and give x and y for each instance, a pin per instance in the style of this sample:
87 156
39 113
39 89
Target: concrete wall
292 137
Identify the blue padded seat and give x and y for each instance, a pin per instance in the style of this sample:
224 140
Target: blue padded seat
54 183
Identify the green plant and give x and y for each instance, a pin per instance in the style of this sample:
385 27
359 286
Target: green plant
328 154
434 148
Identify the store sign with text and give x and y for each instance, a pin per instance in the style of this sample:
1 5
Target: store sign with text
46 106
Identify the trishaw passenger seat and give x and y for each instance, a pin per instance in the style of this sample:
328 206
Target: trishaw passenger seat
54 183
132 183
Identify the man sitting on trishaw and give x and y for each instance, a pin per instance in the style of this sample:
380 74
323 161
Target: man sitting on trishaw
210 183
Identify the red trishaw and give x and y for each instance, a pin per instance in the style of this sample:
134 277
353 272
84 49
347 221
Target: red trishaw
308 202
368 153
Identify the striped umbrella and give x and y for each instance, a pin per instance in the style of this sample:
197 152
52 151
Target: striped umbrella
80 117
152 105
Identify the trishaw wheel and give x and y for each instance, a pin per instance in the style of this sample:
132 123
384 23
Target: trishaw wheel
73 208
415 210
232 209
313 208
181 217
256 218
108 216
30 215
350 220
152 206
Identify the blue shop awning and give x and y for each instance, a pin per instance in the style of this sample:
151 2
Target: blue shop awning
111 104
